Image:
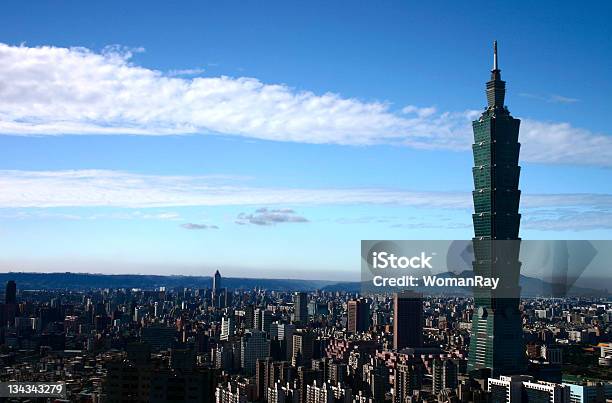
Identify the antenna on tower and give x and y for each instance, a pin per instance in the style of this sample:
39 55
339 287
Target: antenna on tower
495 55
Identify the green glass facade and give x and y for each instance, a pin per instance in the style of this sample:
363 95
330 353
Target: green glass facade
497 337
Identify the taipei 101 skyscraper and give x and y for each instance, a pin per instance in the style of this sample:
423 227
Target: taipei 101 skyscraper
496 340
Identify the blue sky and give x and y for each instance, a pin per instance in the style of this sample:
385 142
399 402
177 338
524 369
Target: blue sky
268 139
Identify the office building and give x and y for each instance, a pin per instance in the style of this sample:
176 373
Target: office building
407 320
497 333
228 327
300 306
444 373
358 315
254 346
10 296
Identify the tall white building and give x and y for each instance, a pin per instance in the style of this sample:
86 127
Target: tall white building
538 391
228 328
507 389
282 393
327 393
230 393
519 388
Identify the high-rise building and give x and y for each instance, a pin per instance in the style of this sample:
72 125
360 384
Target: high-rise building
216 285
303 348
228 328
226 298
284 333
261 384
300 306
268 373
323 393
10 297
263 320
159 337
223 356
506 389
375 378
216 288
231 393
249 317
545 392
306 376
282 393
523 388
254 346
407 320
358 315
497 335
444 375
408 378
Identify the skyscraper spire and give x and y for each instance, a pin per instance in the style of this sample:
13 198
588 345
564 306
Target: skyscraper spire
496 88
495 55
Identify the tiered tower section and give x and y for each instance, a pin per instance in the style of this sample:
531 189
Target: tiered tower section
497 337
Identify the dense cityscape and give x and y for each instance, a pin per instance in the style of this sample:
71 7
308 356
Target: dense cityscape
216 344
224 344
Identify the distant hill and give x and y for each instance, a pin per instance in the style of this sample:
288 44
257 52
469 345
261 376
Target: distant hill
531 287
85 281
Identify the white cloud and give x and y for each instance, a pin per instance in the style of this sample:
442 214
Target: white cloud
186 72
553 98
560 143
570 220
194 226
268 216
55 91
563 99
104 188
45 214
421 112
31 194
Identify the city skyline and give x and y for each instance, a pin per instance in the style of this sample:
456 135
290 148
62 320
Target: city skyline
116 158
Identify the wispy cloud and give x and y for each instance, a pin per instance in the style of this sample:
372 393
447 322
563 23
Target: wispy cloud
185 72
47 214
38 194
552 98
420 224
104 188
59 91
421 112
193 226
563 100
267 216
365 220
570 220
